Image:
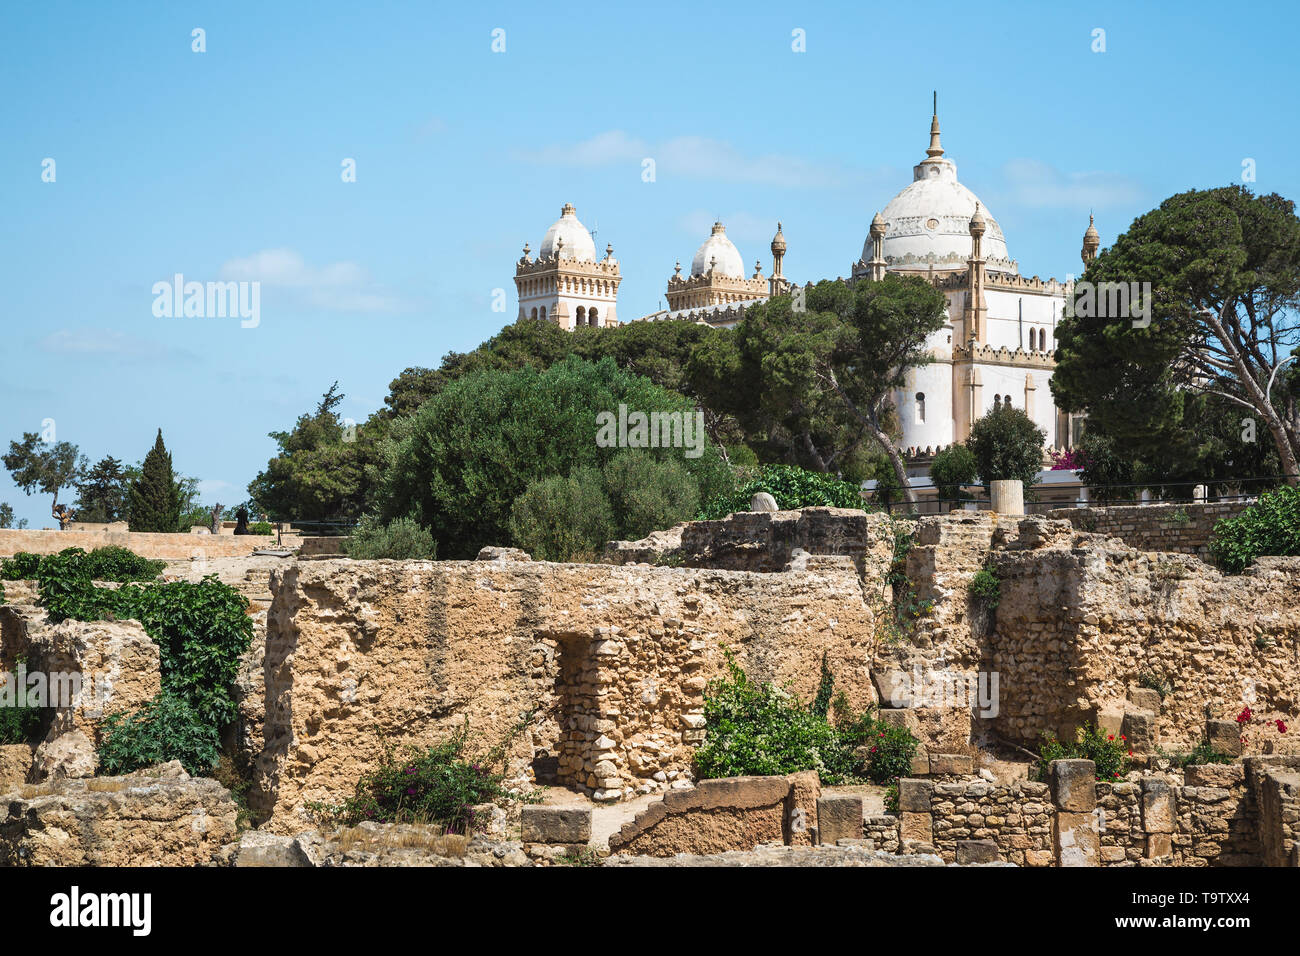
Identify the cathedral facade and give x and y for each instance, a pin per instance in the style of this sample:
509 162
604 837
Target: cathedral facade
995 348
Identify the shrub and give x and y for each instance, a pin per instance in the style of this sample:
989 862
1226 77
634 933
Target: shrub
462 461
1269 526
260 527
109 563
166 728
1091 743
759 729
648 494
401 539
986 588
1007 445
556 518
792 487
951 468
20 717
437 785
21 567
1203 753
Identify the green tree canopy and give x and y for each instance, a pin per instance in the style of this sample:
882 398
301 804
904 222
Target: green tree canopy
1007 445
102 492
154 499
47 467
1224 273
460 462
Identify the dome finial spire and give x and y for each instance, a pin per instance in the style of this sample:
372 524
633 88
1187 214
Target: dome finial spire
935 149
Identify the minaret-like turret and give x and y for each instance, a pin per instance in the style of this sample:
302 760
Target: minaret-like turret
1091 243
877 262
776 284
975 308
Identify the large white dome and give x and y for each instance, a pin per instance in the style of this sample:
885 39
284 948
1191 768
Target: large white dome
722 252
577 242
928 223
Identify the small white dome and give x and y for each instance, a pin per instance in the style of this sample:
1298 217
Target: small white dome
577 242
722 252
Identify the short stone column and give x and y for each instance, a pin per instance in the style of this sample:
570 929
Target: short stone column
1008 496
1076 840
1159 817
916 823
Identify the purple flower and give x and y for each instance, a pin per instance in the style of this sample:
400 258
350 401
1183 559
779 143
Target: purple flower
410 790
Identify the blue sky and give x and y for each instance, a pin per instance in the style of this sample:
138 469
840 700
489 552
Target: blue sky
227 163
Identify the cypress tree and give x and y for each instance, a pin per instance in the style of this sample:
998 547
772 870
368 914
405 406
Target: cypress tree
155 497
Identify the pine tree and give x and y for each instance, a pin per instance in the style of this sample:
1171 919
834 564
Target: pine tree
155 503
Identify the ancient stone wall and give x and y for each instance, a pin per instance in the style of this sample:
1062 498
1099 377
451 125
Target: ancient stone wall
146 544
1082 621
612 661
1185 528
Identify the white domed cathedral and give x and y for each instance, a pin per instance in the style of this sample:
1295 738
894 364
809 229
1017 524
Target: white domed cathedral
994 349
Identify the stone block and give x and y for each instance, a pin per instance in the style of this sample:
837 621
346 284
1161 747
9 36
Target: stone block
916 827
914 795
1039 858
1110 718
1075 837
1144 698
801 808
950 764
839 817
1159 844
1140 730
269 849
1224 736
1214 775
1159 815
977 851
1074 785
15 762
556 824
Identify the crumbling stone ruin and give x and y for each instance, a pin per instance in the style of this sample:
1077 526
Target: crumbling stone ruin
607 664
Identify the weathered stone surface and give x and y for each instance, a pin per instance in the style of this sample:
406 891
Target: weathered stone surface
950 764
914 795
762 502
977 851
801 808
1214 774
15 763
1144 698
159 816
413 845
363 653
1074 785
1224 736
72 754
1140 730
916 827
494 553
555 824
1076 840
839 817
1159 814
268 849
733 813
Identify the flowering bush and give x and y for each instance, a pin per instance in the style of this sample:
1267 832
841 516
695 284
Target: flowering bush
1108 752
437 785
1068 460
762 730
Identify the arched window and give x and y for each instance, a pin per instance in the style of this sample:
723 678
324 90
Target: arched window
582 316
591 316
534 313
997 402
1007 399
1042 340
543 313
920 408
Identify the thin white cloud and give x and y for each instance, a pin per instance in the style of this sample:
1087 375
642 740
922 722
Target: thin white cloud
696 157
340 286
109 343
741 226
208 487
1039 185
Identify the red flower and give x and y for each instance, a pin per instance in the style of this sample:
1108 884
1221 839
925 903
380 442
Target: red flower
1130 753
1245 716
1281 727
873 749
1111 737
1122 737
882 733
